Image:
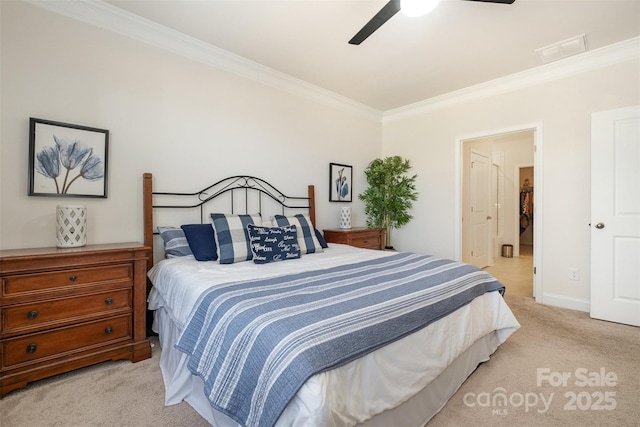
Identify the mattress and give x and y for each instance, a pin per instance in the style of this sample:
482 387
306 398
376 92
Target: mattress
411 378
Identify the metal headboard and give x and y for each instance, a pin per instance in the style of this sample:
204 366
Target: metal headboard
233 184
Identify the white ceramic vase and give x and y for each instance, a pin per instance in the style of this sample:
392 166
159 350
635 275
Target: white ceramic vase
71 226
345 217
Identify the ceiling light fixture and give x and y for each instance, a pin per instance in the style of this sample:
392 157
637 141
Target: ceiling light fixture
415 8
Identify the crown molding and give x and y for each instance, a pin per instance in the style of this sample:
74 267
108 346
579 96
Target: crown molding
111 18
627 50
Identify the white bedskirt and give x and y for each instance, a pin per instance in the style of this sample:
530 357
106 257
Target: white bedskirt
406 382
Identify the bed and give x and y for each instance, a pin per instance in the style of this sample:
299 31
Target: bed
251 340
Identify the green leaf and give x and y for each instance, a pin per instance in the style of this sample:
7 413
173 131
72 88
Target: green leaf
390 195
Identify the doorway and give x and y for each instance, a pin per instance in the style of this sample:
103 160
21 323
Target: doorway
511 152
516 272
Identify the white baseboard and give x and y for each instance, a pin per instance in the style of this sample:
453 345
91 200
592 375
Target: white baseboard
566 302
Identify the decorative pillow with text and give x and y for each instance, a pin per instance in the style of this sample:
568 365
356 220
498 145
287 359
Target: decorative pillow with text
271 244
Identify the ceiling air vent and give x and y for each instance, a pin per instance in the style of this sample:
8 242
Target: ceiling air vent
562 49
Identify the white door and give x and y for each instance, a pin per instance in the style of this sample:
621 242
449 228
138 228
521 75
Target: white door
479 205
615 215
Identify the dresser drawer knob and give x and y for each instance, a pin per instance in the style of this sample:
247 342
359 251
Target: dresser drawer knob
31 348
108 301
108 330
32 314
73 278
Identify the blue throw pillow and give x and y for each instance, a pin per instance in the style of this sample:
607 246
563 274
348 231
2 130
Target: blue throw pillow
201 241
321 239
271 244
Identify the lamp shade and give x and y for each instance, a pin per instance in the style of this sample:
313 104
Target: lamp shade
345 217
71 226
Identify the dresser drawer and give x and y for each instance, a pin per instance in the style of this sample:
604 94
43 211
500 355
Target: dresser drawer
59 341
29 283
65 308
45 313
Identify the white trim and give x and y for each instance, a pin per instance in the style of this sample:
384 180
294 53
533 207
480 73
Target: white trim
538 182
498 160
571 303
457 232
606 56
537 197
108 17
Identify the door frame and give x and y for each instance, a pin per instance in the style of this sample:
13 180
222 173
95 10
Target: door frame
536 128
516 207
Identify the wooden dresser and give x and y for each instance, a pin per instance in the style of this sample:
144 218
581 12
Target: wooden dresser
62 309
361 237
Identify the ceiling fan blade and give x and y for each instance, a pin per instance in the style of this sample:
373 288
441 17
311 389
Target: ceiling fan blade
387 12
376 22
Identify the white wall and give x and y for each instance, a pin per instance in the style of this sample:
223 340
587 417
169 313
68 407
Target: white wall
428 137
187 123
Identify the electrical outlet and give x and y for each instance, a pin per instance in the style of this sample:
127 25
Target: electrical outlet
574 274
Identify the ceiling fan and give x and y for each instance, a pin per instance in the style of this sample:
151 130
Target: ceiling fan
387 12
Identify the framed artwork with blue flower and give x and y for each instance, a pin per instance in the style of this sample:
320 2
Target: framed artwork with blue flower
340 182
67 160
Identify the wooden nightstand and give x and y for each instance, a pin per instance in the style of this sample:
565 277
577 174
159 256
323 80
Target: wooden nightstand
361 237
62 309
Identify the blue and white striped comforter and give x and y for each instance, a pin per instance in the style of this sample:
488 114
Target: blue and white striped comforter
254 343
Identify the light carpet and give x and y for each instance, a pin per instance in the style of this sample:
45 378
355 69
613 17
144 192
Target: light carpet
555 340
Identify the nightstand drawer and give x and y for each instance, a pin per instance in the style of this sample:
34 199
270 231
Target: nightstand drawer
366 242
29 283
59 341
64 310
366 238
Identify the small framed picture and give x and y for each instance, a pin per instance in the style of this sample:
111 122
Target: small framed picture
340 182
67 160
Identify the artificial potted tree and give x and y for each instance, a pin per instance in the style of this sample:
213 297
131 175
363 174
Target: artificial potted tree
390 195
